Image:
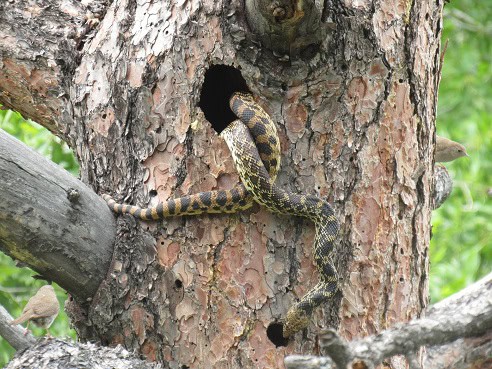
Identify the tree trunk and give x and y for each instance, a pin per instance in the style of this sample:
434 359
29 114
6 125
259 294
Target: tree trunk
141 104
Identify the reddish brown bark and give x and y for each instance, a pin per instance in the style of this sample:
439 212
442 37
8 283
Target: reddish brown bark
356 123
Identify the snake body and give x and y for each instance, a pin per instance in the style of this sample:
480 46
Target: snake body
264 133
255 149
256 179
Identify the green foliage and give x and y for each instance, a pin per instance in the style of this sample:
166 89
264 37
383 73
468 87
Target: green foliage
39 138
461 247
16 284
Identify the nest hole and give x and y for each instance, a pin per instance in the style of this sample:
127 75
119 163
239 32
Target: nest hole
219 84
274 334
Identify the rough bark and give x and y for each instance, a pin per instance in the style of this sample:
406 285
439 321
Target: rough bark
443 186
52 222
465 314
57 354
356 120
38 55
290 28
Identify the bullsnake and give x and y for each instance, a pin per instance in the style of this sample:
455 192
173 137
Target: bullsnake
255 149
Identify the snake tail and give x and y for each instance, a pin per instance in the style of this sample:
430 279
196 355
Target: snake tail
211 202
265 136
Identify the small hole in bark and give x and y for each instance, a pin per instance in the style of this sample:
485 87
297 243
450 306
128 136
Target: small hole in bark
284 87
104 116
219 84
401 279
185 367
400 80
274 334
152 193
309 51
178 283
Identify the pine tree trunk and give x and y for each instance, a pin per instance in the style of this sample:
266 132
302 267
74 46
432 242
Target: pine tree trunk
355 108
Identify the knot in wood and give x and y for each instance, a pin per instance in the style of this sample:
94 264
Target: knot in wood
281 11
279 14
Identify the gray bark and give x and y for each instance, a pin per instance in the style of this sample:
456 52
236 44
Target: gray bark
443 185
52 222
56 354
14 334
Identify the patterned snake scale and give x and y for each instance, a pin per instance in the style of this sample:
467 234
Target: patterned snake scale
255 148
264 133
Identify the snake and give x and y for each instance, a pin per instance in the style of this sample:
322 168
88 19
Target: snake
255 148
233 200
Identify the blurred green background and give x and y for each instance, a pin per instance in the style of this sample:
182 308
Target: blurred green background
461 247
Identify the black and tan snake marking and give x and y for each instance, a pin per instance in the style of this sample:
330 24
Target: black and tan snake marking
256 179
265 135
255 149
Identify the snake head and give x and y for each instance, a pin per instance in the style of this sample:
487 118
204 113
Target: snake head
295 320
239 100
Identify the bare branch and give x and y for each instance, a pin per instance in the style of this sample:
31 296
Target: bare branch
464 353
14 334
330 342
51 221
33 72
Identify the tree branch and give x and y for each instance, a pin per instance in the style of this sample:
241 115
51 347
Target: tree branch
52 222
14 334
36 63
465 314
